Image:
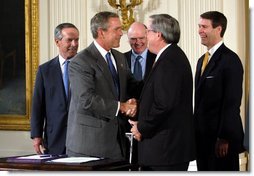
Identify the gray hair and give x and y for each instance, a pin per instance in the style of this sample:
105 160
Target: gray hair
100 20
168 26
58 30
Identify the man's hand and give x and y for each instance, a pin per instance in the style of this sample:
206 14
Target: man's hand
38 145
129 107
221 148
134 130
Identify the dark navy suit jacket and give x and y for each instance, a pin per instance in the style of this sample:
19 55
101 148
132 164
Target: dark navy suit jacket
166 113
50 107
218 94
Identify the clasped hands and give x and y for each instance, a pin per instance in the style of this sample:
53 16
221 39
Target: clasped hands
129 108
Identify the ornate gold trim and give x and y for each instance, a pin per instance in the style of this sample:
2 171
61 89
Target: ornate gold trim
22 122
126 10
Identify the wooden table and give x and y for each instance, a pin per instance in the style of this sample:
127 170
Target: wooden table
99 165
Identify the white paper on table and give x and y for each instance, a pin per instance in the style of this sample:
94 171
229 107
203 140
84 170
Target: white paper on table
74 160
36 157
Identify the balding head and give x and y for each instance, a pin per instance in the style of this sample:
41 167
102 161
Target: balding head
137 37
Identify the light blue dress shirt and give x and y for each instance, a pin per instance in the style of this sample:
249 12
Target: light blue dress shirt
142 61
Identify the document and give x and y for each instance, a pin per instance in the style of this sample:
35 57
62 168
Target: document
74 160
37 157
34 158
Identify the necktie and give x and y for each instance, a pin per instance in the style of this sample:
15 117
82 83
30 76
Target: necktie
138 69
66 77
205 62
113 72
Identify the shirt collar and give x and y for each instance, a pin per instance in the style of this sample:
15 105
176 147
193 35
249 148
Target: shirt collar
62 60
159 53
143 54
214 48
101 50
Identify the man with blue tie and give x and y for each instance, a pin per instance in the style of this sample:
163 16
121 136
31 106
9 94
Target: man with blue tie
52 96
140 59
99 98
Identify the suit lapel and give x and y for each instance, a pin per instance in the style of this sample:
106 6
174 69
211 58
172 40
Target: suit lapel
128 57
103 66
209 66
120 68
149 63
57 78
155 65
207 70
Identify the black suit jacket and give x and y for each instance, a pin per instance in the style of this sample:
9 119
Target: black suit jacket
149 61
165 112
50 106
218 94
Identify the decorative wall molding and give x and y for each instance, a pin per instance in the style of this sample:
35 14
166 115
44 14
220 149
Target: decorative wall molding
61 11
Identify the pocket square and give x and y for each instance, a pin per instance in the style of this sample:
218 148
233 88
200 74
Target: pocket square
209 77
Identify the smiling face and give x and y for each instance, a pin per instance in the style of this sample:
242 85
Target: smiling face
110 38
153 38
68 45
209 35
137 37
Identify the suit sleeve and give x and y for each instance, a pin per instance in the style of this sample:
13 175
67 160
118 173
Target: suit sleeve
230 124
38 106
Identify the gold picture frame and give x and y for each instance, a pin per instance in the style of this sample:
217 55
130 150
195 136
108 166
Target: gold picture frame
16 121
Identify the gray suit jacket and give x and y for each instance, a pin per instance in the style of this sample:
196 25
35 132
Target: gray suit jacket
93 128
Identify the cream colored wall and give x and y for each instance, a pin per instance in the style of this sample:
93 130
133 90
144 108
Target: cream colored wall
80 12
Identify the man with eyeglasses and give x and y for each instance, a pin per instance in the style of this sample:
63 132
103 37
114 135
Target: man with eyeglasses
140 60
165 129
138 43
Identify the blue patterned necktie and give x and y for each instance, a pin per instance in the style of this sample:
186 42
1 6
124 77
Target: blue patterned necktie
66 77
138 69
113 72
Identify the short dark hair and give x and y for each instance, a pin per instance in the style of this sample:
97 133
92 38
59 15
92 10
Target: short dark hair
60 27
100 20
217 18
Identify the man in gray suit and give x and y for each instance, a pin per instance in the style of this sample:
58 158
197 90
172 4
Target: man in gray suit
99 76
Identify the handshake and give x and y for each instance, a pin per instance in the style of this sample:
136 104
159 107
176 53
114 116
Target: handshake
129 108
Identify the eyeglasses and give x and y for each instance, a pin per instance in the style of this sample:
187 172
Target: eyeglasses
150 30
136 39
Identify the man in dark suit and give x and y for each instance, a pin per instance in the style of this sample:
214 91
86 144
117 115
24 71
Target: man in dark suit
50 101
138 42
165 119
137 36
100 78
218 93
